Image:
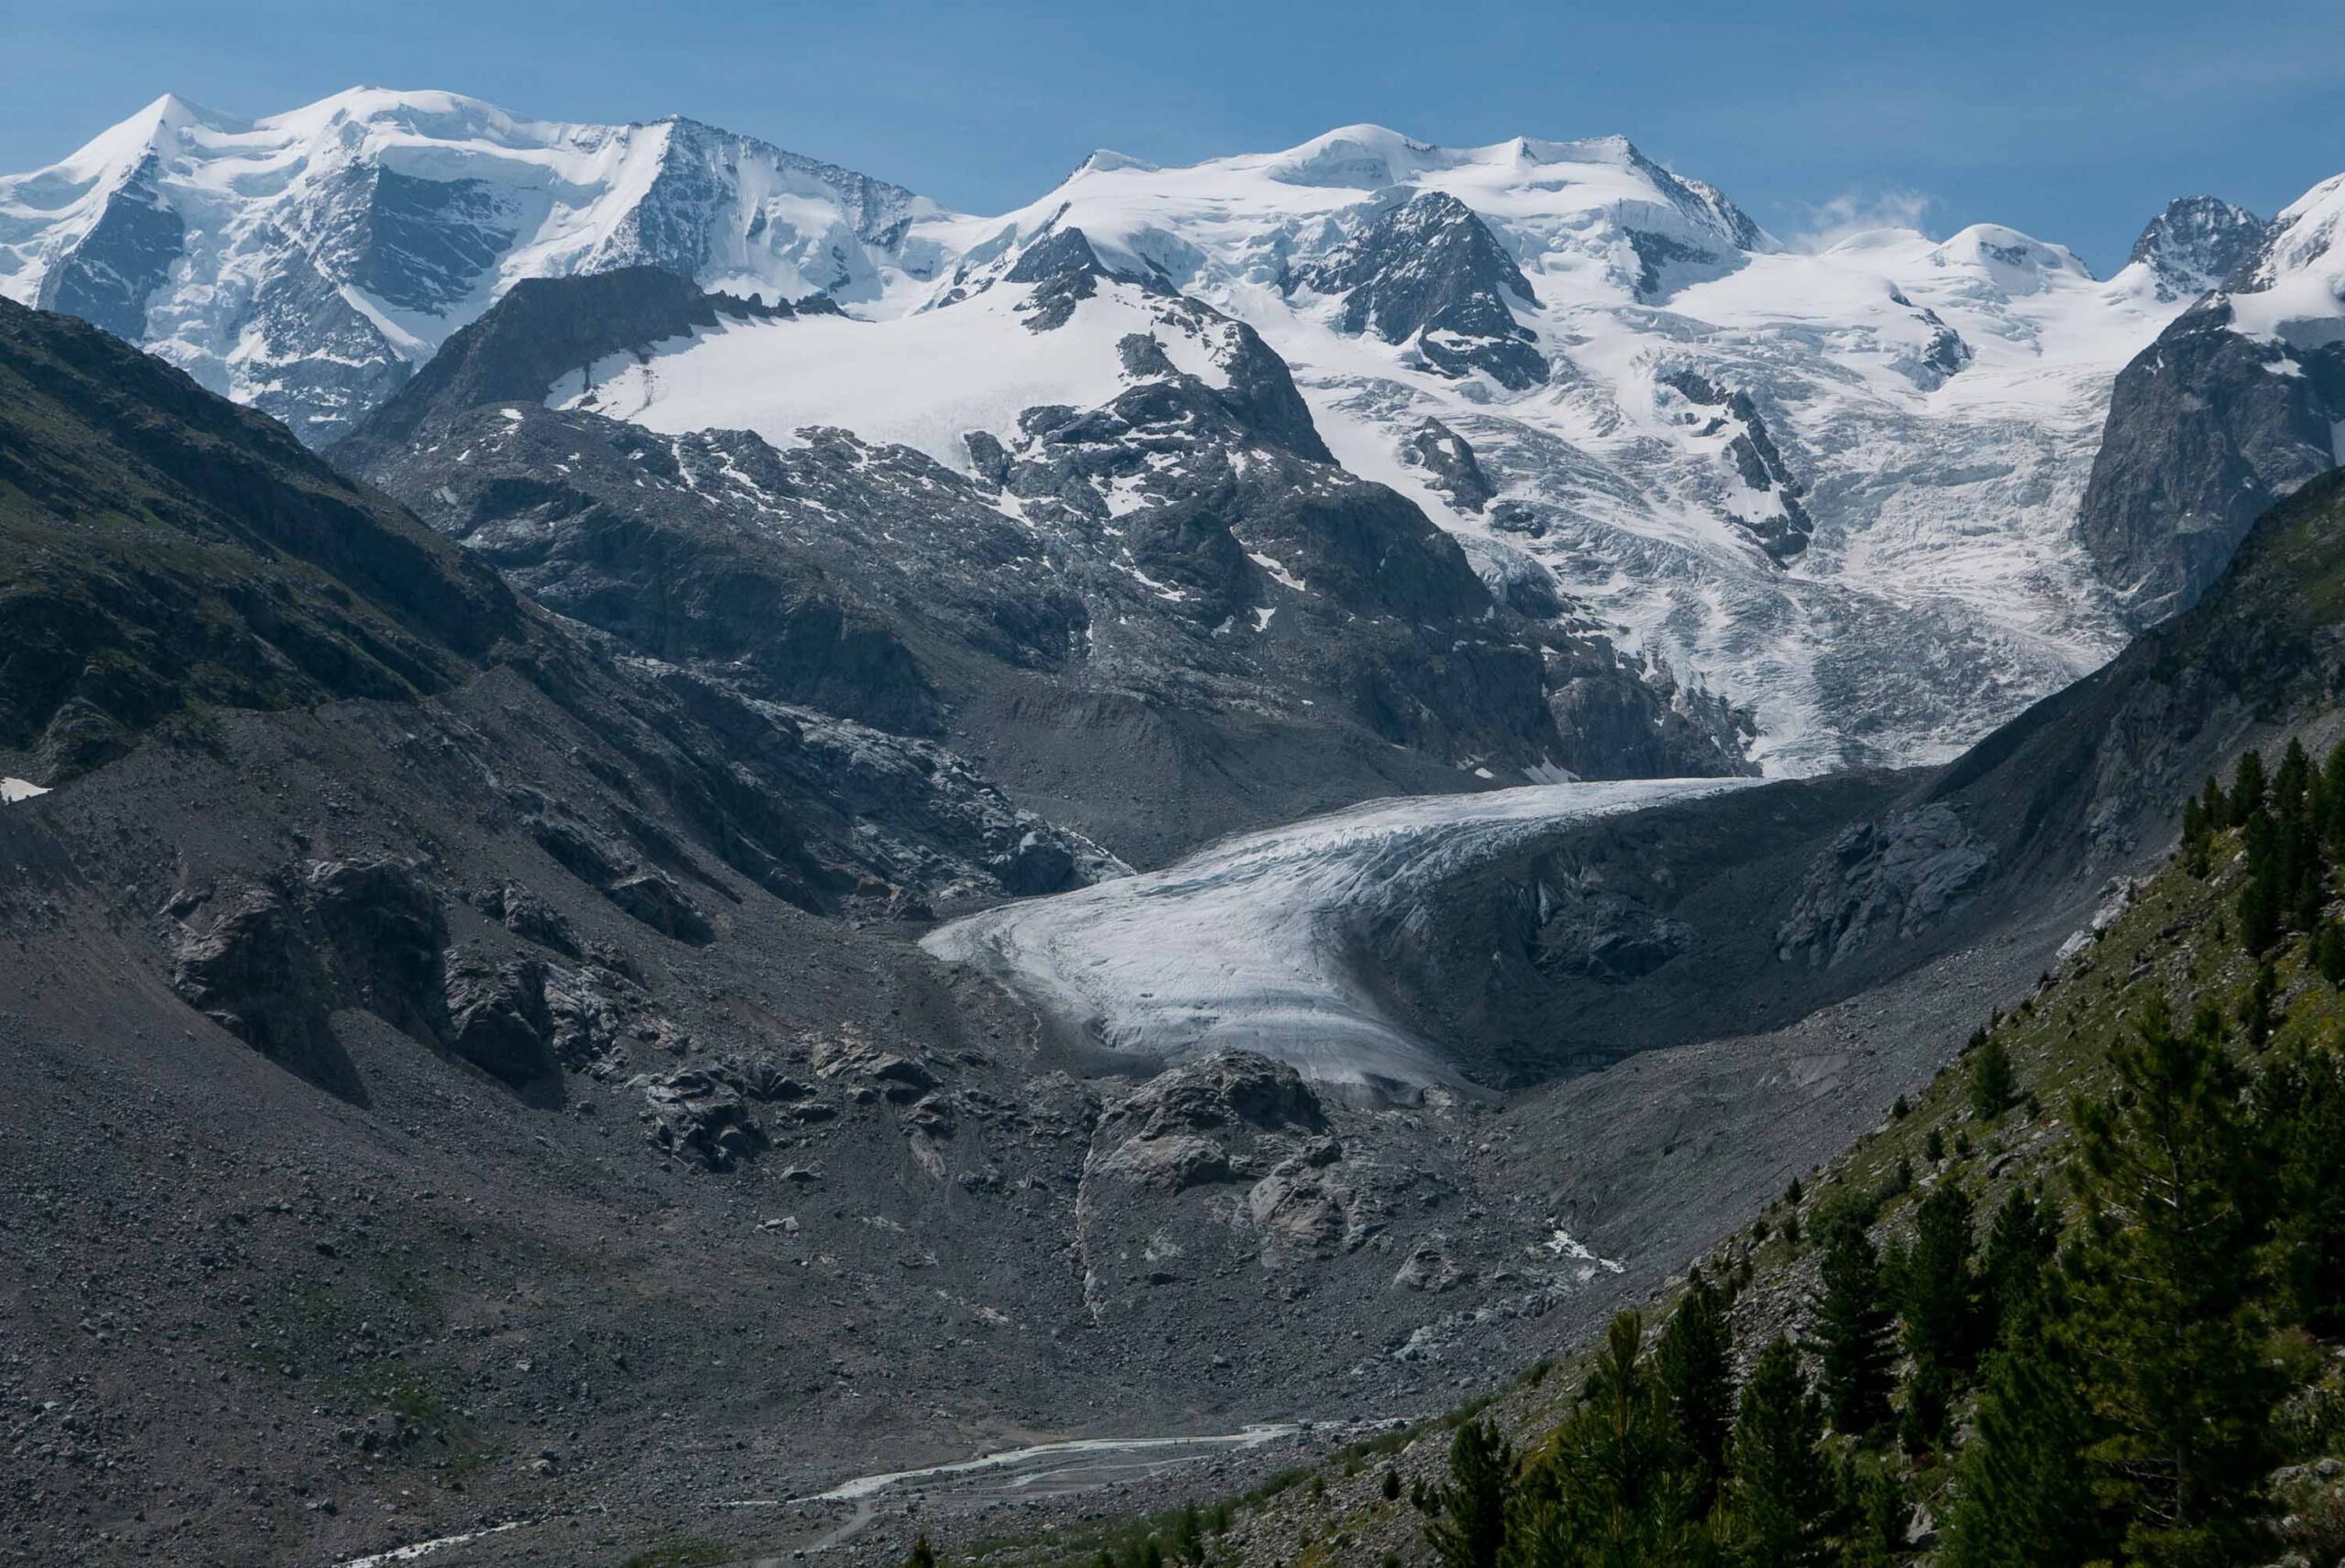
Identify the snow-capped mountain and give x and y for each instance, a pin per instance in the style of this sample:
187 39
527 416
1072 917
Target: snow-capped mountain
1834 485
2196 243
2239 402
305 262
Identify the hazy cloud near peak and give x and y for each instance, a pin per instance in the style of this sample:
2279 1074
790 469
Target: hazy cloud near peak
1821 225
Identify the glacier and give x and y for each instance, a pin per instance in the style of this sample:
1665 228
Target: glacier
1248 944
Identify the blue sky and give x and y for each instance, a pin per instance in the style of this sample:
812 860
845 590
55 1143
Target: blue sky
2072 121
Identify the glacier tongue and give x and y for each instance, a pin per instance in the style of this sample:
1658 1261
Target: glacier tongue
1244 945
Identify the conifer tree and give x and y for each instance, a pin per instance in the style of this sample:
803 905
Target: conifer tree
1939 1299
2261 895
2197 838
2020 1246
2255 1012
2328 950
1694 1362
2170 1293
2023 1497
1468 1527
1993 1084
1610 1488
1875 1509
2302 1100
2217 809
2247 788
1853 1330
1929 1398
1778 1506
2292 782
2332 796
922 1554
1189 1535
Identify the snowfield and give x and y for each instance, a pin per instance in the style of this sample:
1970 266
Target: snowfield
924 380
1247 943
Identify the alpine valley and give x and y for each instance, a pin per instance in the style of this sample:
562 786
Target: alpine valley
701 863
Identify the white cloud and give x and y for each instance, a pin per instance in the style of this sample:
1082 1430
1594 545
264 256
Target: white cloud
1824 225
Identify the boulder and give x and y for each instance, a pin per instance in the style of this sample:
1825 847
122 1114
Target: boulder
498 1020
1171 1165
701 1117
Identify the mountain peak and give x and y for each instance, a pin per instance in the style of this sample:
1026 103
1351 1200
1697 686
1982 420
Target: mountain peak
1362 157
1106 160
2196 243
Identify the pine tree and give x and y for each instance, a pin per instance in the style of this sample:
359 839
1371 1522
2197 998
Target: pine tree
1929 1398
1468 1527
1189 1532
2198 838
2302 1101
1610 1489
1938 1298
2261 895
2216 808
2303 869
2020 1246
923 1555
1853 1334
1993 1084
2332 796
2023 1497
1779 1506
2172 1294
2292 784
1875 1507
1694 1362
2255 1012
2328 950
2247 788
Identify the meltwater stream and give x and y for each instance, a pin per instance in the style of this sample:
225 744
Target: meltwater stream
1248 942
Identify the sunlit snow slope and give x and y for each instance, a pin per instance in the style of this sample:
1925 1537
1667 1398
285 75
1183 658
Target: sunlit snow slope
1247 943
305 262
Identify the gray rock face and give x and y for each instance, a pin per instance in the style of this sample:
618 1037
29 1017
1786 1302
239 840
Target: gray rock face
1229 1089
1784 532
497 1018
1430 271
126 256
270 961
2196 243
1882 882
2207 428
679 224
422 245
700 1117
1449 464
